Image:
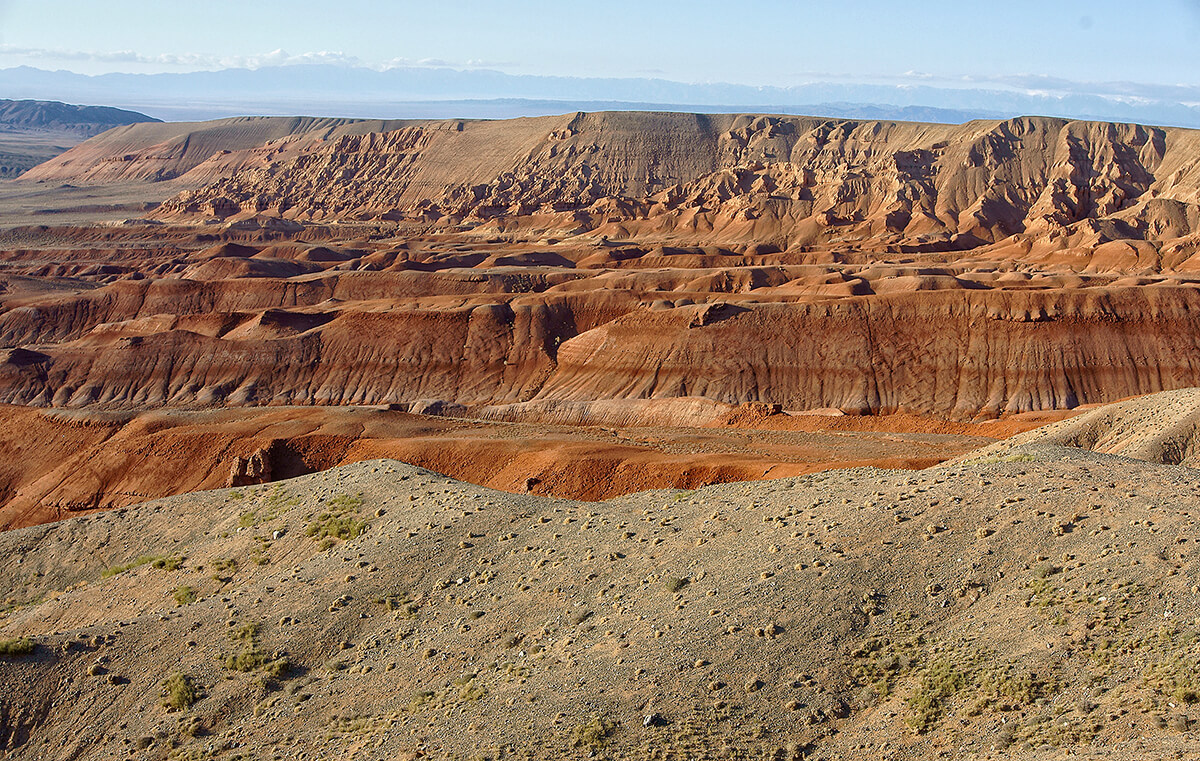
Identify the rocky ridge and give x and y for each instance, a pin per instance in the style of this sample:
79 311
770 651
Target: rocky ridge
784 180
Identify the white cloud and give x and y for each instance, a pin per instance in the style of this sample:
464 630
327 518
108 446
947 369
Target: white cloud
202 61
436 63
184 60
1035 85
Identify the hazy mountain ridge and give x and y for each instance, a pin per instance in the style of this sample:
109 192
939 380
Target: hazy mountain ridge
327 90
87 121
33 131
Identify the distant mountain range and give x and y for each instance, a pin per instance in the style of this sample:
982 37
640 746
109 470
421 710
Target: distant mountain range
52 116
33 131
430 92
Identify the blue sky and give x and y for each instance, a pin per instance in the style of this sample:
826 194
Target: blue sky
756 42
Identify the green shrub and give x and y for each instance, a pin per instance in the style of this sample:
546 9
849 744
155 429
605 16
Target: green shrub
246 659
341 522
335 527
420 698
580 616
250 657
346 502
468 689
939 683
179 691
165 562
15 647
594 734
398 602
1177 673
185 595
675 585
278 668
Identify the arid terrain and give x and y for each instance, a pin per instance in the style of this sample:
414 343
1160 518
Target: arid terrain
623 435
1035 601
528 265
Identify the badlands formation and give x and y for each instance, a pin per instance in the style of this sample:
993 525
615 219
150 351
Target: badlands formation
532 267
235 357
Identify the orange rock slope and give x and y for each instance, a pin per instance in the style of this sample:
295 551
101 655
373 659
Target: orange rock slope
960 271
58 463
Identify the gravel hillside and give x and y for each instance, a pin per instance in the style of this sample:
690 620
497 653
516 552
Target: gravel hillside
1038 604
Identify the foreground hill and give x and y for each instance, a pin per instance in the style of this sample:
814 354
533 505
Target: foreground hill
1038 605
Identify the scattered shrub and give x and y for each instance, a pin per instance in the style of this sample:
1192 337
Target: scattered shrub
278 668
420 698
398 602
939 683
334 526
594 734
675 585
170 563
468 689
16 647
250 657
179 691
165 562
580 617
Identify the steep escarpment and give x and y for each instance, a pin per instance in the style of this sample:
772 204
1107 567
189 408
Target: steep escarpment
949 353
158 152
787 180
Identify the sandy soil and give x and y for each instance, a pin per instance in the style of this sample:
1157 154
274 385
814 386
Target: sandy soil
1039 604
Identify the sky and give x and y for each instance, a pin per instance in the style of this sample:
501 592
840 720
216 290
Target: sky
754 42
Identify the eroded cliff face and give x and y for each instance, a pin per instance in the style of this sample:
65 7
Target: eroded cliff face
859 338
960 354
969 270
168 151
722 178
